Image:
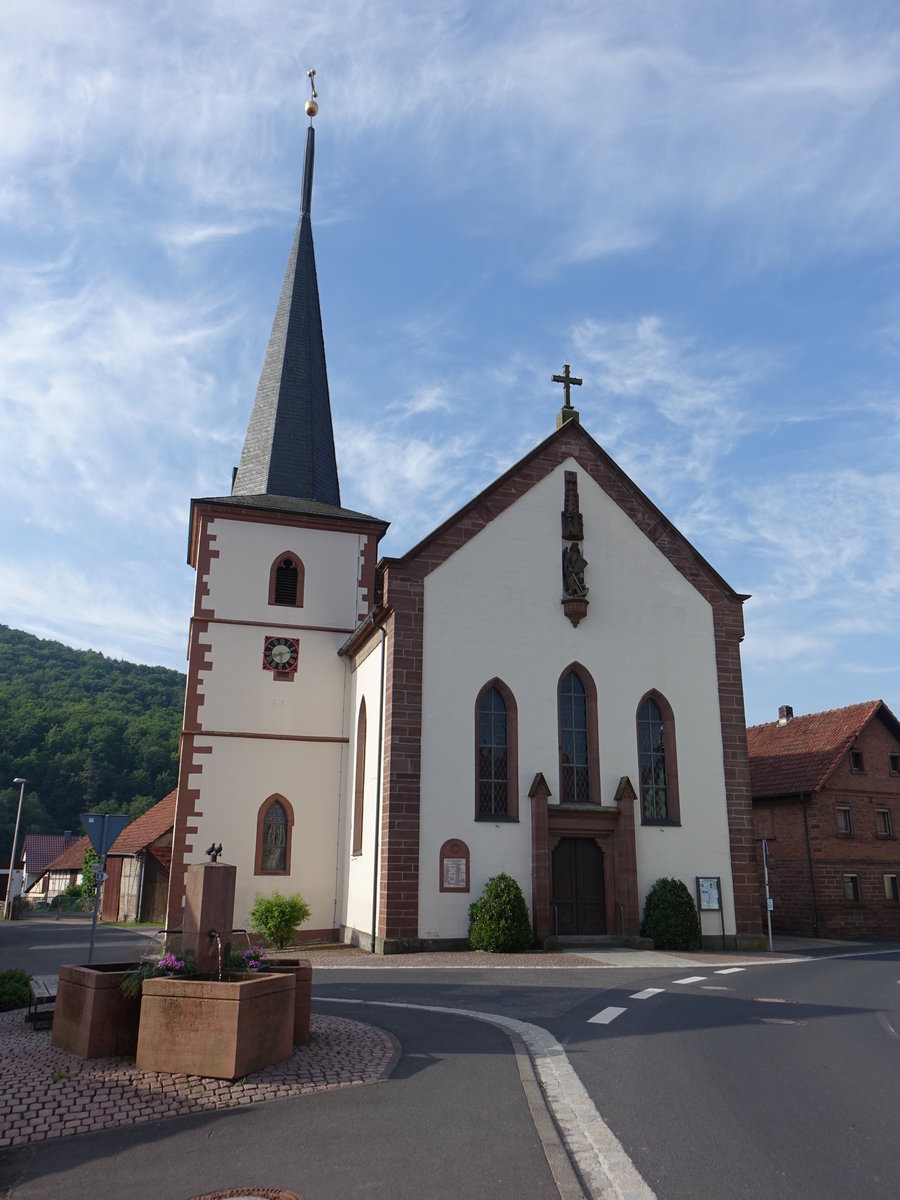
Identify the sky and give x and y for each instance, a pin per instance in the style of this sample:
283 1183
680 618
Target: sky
697 205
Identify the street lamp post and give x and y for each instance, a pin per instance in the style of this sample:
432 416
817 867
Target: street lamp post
12 856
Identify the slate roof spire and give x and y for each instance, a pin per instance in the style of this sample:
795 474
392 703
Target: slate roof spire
289 447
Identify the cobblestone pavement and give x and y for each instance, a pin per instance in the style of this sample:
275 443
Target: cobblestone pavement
48 1093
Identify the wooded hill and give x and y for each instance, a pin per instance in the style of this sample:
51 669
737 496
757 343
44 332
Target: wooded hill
89 733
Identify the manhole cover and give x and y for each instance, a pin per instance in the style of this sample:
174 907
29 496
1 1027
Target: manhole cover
251 1193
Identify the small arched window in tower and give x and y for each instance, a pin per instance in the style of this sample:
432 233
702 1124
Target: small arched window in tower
273 837
286 581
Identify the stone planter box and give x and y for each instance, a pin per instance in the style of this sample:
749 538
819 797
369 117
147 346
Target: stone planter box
220 1029
93 1017
301 969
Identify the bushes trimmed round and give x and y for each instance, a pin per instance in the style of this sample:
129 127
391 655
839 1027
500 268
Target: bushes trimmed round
498 921
670 916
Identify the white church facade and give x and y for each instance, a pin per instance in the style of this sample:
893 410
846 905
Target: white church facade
549 685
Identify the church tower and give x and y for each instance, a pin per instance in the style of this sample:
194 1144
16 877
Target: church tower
284 575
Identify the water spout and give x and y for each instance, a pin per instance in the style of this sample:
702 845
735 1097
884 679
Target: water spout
214 934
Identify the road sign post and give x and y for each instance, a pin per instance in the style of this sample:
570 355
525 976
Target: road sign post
102 829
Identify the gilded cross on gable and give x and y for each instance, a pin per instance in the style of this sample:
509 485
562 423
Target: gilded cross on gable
568 380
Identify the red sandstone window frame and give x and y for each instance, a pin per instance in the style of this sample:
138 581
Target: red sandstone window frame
275 798
891 889
593 737
359 786
857 762
843 817
852 894
884 825
301 580
894 764
670 753
512 752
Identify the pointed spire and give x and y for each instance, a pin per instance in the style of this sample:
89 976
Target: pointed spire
289 447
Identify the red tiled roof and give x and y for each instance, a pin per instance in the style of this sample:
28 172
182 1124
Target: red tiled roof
72 858
42 848
801 755
140 833
145 829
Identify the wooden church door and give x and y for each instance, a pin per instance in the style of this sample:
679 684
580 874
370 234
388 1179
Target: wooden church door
579 892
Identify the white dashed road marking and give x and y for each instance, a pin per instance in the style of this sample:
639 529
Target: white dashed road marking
646 993
770 1000
690 979
607 1015
730 970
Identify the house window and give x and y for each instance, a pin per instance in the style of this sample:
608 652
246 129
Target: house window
657 769
856 760
360 784
286 579
496 753
894 763
851 889
891 889
844 820
883 826
274 824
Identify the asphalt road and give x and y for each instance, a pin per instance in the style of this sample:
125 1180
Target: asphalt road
777 1080
40 944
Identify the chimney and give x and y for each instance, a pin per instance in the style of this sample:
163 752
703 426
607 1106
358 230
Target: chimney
785 714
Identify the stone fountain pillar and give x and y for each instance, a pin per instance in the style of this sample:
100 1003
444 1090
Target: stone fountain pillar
209 904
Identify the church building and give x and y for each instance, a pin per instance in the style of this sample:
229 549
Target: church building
548 685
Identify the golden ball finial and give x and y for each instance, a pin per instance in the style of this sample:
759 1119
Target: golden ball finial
311 106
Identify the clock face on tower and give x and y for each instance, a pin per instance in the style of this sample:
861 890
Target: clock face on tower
281 654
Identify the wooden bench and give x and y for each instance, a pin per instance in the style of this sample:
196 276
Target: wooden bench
43 1000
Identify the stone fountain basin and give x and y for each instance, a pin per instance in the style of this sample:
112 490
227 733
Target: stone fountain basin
221 1029
93 1017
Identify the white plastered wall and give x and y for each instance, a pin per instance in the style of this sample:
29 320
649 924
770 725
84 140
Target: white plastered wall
493 609
267 736
366 682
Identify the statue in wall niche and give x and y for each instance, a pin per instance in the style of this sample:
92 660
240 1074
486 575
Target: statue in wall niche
573 564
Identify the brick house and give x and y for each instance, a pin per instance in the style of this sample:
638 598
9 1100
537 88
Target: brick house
826 799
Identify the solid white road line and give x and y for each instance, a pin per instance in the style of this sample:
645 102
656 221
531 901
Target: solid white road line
690 979
730 970
646 993
599 1155
607 1015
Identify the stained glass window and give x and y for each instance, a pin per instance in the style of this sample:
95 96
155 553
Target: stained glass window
652 763
574 783
493 756
274 839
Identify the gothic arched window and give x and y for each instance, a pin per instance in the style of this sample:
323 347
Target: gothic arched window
274 824
656 761
579 757
360 784
286 579
496 754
